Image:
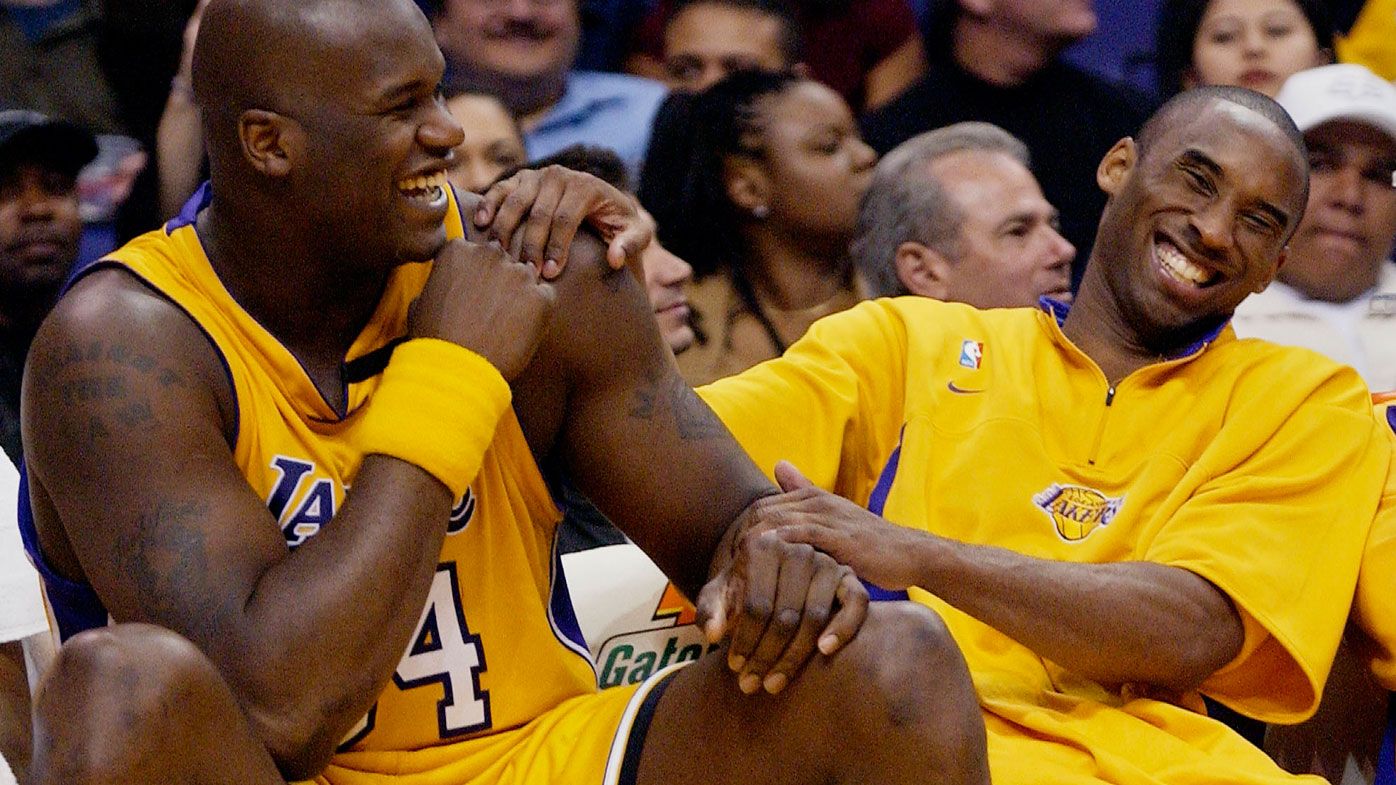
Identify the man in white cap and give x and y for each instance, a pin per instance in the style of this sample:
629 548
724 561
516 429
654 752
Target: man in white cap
1336 292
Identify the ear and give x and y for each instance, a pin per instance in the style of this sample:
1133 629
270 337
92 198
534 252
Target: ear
271 142
922 271
1189 78
747 184
1116 166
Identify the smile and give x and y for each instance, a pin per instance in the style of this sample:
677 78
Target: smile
1176 265
428 190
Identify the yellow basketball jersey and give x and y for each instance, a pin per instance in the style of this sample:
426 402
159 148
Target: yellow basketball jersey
496 644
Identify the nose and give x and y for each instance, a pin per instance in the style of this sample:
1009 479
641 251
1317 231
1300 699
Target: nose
864 157
1214 226
1062 251
1344 189
440 132
664 267
1253 41
35 201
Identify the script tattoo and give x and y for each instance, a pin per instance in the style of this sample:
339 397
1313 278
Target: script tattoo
666 391
110 383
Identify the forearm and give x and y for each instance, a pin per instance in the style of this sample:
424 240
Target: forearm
1127 622
352 596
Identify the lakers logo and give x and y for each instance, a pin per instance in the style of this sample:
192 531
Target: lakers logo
1077 511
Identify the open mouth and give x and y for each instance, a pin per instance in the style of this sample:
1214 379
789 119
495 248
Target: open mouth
1177 266
426 190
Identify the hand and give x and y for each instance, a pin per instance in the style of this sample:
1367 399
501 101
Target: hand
778 600
479 297
880 552
549 205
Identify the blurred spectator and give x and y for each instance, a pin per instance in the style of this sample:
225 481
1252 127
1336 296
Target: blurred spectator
51 63
493 142
25 646
706 40
1250 43
39 231
955 214
756 183
179 140
521 51
1372 39
999 63
608 26
867 50
1336 292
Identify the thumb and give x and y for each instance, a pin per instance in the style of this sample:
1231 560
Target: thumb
790 478
712 608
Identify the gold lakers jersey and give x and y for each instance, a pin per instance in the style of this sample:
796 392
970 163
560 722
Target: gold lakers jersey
496 644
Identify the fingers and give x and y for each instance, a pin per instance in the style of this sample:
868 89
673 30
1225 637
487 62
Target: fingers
628 247
790 478
813 590
505 206
750 609
549 228
852 611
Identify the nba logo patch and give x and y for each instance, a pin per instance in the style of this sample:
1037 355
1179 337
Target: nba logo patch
971 354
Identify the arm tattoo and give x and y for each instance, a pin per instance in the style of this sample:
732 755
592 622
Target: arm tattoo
664 390
167 559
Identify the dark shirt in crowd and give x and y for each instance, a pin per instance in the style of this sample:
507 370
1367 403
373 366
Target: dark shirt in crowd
1067 117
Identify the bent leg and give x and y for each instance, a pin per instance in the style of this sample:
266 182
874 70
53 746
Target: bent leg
894 705
139 704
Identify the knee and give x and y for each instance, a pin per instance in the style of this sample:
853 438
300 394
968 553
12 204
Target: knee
910 672
109 695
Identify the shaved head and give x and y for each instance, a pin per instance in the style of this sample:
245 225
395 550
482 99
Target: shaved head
282 55
1186 106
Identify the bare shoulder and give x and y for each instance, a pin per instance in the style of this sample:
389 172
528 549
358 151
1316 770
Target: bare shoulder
110 331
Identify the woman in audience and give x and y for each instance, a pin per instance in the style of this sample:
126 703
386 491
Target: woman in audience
1251 43
756 183
493 143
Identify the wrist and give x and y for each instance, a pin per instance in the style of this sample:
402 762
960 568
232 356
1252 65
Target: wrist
436 406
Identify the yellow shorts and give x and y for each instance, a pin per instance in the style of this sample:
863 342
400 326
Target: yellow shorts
593 738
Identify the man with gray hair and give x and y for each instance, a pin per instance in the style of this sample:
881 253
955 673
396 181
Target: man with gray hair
955 214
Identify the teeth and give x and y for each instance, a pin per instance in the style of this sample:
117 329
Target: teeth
431 184
1178 266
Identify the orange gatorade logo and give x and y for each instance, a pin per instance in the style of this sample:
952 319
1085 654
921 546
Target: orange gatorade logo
673 605
1077 511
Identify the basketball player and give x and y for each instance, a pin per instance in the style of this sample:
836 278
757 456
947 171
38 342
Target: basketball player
1116 508
201 403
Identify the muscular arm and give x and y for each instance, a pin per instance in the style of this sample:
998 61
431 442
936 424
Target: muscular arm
635 437
131 453
127 426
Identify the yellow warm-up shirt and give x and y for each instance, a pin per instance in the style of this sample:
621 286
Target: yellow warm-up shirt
1255 466
1374 607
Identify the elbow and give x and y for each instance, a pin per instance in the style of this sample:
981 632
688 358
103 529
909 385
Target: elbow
1211 644
299 753
300 749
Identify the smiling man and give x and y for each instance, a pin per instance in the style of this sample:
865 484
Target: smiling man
1336 292
1117 509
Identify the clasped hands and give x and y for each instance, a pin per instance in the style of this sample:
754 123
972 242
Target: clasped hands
791 582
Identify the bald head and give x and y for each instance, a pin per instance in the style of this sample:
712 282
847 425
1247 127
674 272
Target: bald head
278 55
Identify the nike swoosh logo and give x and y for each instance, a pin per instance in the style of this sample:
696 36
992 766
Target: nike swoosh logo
961 390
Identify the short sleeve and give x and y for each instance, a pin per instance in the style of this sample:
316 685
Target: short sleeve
1374 607
1279 527
832 405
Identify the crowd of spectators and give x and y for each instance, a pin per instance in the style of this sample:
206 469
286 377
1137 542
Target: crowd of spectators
794 159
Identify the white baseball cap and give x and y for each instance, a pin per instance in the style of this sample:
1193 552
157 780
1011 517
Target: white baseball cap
1345 91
